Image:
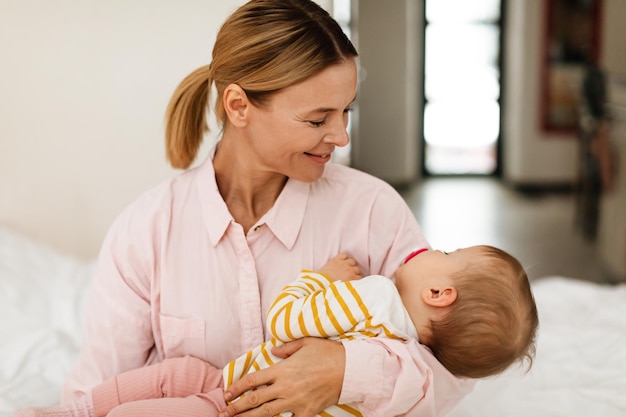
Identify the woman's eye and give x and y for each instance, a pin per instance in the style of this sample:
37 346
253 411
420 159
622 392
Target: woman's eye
317 124
444 252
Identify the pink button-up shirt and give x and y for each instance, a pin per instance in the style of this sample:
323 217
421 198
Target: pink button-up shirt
177 276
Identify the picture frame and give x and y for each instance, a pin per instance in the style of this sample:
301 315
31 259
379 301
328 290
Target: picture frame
571 48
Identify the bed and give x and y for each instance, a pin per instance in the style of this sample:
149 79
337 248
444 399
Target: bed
580 368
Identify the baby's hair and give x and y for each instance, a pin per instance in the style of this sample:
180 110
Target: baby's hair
264 47
492 323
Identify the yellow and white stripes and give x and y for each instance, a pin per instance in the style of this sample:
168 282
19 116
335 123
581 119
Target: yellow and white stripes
258 358
314 305
261 357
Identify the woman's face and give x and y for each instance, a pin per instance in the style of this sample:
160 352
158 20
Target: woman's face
295 133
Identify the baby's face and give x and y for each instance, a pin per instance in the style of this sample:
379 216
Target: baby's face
434 265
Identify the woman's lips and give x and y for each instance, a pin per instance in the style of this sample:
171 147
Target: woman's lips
323 158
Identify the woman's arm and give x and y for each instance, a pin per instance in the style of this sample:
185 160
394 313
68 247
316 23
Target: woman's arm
390 378
118 334
375 368
409 380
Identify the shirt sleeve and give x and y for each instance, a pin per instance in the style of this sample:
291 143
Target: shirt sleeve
304 308
315 305
393 233
118 333
387 377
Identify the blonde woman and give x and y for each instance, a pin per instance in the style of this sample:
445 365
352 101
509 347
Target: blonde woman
192 266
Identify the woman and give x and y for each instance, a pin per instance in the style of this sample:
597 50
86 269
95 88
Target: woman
191 267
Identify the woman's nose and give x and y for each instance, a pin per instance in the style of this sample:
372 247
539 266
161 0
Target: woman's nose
338 136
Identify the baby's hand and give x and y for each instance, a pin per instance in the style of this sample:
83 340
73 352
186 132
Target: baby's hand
342 268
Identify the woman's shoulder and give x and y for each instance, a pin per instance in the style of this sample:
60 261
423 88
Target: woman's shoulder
156 202
346 182
141 229
342 175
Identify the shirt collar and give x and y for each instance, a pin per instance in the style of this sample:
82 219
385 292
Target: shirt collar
284 219
215 213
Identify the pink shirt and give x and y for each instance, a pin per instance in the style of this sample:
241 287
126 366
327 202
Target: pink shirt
177 276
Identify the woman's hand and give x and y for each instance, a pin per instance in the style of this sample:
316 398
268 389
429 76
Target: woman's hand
305 383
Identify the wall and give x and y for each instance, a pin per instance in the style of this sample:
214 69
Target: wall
531 156
614 39
611 240
385 141
84 87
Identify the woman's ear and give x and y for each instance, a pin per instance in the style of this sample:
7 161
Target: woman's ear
439 297
236 105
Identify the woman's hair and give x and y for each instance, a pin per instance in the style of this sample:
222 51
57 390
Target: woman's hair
264 47
493 321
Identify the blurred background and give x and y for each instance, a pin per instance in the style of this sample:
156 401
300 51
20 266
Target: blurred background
499 121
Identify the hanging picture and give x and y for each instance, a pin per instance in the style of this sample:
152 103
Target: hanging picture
571 50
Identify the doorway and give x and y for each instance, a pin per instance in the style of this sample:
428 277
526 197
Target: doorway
462 87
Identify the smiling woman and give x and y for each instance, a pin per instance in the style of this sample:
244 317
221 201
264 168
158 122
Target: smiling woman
191 266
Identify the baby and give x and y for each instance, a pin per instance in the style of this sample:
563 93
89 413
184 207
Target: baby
472 307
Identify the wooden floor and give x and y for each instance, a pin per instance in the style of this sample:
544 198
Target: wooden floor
537 228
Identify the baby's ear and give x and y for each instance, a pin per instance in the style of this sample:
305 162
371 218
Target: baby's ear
439 296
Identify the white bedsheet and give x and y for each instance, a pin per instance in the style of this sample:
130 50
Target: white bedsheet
580 368
42 295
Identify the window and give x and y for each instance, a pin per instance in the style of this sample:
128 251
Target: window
342 14
462 86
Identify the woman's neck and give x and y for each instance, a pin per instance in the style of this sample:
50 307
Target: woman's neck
248 192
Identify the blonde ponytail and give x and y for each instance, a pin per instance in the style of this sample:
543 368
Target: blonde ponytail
185 122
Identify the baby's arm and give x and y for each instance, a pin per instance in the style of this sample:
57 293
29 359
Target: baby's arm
341 268
315 305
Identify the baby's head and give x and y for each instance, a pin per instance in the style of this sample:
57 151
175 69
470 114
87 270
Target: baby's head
473 307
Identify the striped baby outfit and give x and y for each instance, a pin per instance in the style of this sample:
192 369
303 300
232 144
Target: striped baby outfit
315 305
